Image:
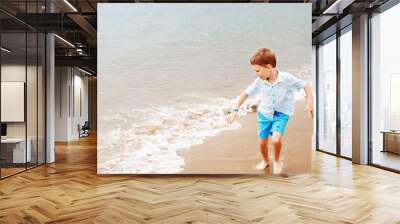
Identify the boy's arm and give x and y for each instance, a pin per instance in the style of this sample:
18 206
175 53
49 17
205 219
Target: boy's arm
298 84
241 100
309 98
235 115
250 90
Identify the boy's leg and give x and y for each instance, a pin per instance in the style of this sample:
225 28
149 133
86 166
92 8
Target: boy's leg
264 152
277 144
278 128
264 149
264 129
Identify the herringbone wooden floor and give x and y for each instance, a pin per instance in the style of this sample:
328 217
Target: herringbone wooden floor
70 191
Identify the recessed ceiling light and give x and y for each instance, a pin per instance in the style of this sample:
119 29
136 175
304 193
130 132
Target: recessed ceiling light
84 71
5 49
338 6
70 5
64 40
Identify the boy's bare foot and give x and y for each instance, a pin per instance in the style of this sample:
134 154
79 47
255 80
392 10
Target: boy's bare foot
278 165
262 165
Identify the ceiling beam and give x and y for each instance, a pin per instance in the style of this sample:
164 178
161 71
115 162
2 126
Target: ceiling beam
84 61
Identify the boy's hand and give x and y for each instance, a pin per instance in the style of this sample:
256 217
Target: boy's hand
232 117
310 109
309 97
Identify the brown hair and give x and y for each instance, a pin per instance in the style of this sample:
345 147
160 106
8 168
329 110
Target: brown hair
263 56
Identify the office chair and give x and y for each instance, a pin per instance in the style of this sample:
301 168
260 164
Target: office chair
84 130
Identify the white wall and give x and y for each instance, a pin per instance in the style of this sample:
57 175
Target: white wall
70 83
79 117
62 81
15 72
33 127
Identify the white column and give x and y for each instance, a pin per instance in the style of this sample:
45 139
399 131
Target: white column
50 99
360 90
50 92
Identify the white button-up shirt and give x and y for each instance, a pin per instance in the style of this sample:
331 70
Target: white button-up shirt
278 96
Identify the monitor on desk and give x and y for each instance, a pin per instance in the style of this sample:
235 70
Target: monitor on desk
3 130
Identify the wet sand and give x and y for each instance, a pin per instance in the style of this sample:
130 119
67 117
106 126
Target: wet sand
236 152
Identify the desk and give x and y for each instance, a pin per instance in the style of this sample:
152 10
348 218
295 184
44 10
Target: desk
391 141
15 148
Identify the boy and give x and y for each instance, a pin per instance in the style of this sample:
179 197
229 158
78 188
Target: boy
277 103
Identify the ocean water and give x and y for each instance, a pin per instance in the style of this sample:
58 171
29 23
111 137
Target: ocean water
169 73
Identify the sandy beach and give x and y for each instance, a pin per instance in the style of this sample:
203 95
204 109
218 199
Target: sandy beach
236 152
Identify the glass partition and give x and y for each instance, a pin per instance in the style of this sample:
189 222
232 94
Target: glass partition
327 96
41 109
32 95
32 84
346 92
13 90
385 88
22 77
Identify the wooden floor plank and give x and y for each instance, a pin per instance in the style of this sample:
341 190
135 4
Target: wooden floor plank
70 191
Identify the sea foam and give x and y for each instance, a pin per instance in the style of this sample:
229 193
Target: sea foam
151 145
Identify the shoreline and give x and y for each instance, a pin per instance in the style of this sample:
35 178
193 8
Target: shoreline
237 152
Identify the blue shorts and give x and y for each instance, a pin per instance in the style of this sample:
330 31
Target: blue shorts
268 125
